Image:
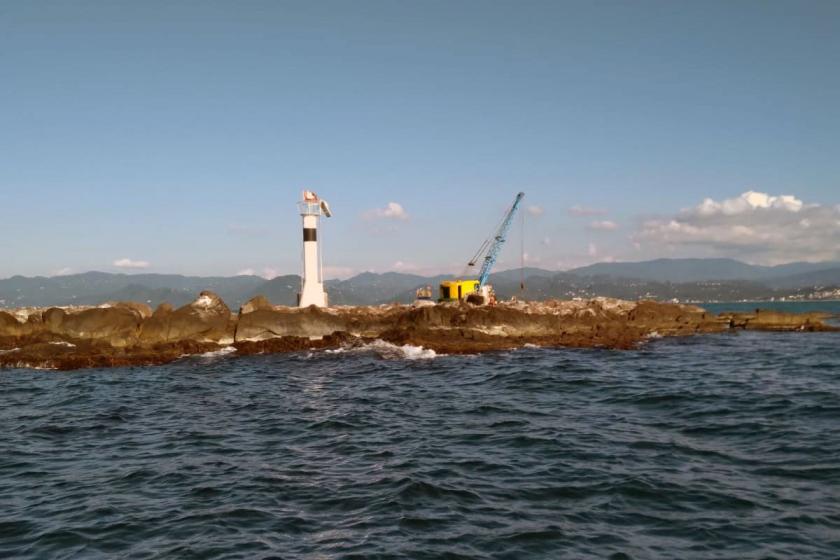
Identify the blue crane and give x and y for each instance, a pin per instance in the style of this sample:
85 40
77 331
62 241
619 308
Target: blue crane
493 245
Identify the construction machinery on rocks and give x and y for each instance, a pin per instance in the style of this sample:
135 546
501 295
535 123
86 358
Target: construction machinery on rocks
477 290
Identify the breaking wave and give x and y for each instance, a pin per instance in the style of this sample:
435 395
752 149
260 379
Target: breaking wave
389 351
218 353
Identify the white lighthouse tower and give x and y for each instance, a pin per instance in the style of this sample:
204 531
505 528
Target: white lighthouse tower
312 284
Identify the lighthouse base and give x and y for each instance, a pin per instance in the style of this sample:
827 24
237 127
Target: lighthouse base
312 294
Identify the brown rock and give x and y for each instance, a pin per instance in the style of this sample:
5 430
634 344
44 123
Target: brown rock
255 304
207 319
262 324
119 326
126 333
142 309
163 309
770 320
294 344
53 317
10 326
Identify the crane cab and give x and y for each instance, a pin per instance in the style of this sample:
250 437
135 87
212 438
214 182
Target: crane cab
467 290
457 290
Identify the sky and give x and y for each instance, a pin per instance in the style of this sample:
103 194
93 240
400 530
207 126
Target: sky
176 136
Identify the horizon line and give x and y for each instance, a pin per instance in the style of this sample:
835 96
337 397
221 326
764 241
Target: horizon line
410 273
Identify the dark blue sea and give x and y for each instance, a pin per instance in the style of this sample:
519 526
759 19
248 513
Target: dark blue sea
720 446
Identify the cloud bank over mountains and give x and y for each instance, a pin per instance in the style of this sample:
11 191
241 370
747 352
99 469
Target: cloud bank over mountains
755 226
130 263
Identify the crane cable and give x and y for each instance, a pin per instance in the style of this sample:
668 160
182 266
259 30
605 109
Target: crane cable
522 254
485 245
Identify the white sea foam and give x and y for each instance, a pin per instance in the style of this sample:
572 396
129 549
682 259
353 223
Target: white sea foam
405 352
219 353
27 365
388 351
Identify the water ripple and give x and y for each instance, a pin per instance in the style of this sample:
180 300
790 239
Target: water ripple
707 447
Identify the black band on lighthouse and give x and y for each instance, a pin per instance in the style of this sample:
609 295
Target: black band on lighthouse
310 234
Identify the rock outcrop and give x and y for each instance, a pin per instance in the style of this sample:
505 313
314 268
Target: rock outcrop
207 319
769 320
122 333
257 321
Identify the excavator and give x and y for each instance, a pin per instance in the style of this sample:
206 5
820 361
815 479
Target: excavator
478 291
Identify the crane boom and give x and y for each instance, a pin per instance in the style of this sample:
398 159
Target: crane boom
493 245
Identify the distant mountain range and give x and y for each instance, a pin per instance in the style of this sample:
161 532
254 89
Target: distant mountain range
684 279
706 270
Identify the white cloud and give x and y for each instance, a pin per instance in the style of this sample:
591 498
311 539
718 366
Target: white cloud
603 225
401 265
536 211
747 202
578 210
129 263
391 211
270 273
340 272
592 250
527 258
546 241
62 271
267 272
754 226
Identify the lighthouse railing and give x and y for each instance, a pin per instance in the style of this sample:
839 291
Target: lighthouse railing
309 208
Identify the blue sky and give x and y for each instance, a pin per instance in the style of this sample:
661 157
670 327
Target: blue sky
177 135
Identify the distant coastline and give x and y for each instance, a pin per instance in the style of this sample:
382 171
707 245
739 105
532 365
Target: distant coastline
691 281
827 305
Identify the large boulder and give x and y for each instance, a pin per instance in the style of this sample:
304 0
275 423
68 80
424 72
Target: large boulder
207 319
10 326
142 309
256 303
263 323
163 310
52 318
118 326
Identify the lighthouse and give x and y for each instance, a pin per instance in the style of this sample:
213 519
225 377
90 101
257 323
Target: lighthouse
312 284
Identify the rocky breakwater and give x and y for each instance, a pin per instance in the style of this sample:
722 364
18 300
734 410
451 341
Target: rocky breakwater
113 334
126 333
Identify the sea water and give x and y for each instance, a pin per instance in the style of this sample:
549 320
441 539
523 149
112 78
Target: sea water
718 446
